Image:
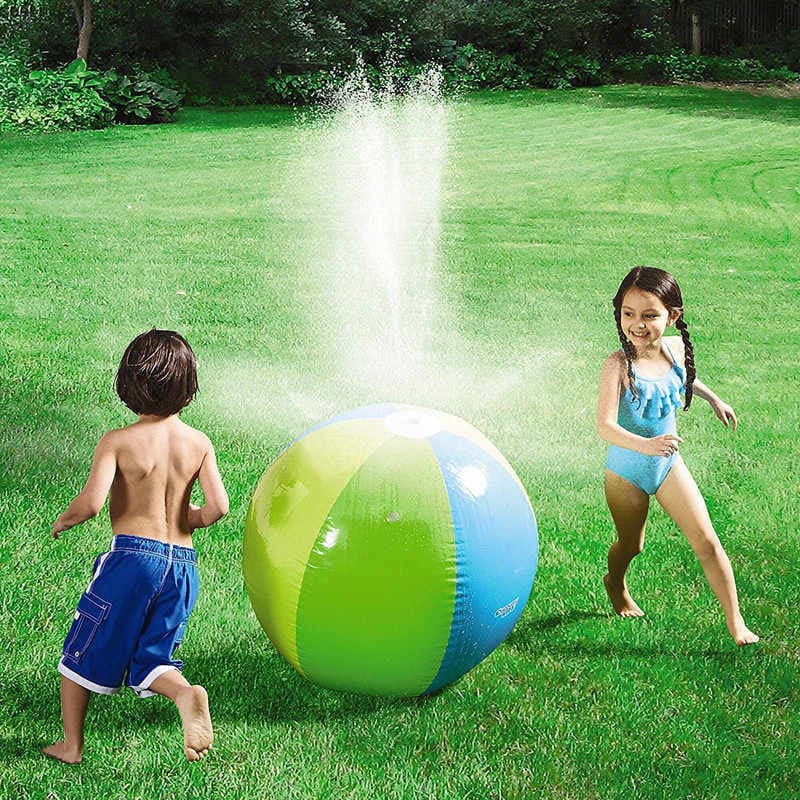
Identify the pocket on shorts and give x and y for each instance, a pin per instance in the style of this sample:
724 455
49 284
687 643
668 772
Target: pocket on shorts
92 610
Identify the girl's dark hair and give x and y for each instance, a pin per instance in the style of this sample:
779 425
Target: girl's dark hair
157 374
665 288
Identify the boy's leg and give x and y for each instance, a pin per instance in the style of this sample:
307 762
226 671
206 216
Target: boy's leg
681 499
628 505
74 701
192 704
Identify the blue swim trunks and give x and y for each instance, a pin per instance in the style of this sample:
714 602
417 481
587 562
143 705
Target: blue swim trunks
132 617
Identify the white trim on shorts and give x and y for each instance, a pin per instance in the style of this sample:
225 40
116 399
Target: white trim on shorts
81 681
100 564
143 689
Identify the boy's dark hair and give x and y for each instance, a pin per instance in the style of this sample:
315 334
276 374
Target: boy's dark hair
157 374
665 288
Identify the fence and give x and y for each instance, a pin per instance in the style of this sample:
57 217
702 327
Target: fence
724 24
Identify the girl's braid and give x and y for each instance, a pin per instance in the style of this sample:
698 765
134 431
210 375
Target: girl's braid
680 324
630 353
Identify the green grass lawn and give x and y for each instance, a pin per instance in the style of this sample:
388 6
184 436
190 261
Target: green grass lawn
214 226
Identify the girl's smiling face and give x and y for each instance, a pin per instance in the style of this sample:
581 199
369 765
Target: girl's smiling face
644 318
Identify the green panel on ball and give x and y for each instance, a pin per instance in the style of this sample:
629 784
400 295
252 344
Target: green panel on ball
289 506
374 614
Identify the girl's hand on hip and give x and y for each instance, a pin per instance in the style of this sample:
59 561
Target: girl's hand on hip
664 445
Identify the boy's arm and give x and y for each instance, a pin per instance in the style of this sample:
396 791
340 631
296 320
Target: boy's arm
93 495
216 505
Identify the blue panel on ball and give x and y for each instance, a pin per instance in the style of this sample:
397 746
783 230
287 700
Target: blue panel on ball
496 552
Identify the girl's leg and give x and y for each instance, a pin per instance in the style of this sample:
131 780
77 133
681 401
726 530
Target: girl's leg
74 701
192 703
628 505
681 499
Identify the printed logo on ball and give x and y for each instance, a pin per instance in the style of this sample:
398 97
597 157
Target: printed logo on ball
507 609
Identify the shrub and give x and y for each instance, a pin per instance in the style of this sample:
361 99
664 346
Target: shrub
77 97
140 98
466 68
562 70
647 68
782 51
745 69
298 90
53 100
470 67
681 66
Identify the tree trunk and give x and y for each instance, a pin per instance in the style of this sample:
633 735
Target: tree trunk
697 39
83 16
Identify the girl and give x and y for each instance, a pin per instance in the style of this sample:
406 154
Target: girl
640 388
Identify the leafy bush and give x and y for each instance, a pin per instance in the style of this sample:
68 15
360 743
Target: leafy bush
466 68
470 67
638 68
681 66
77 97
53 100
563 70
298 90
141 98
783 74
745 69
13 72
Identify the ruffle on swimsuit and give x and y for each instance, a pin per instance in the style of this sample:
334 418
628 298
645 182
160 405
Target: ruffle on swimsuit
658 397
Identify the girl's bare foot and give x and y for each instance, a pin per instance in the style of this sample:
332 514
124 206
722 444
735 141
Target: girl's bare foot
621 600
60 752
740 632
198 734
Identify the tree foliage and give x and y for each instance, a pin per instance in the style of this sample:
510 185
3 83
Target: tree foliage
258 35
252 50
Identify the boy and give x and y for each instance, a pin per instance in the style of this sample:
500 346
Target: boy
133 614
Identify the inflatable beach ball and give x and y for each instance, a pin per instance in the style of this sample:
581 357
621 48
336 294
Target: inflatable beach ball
389 550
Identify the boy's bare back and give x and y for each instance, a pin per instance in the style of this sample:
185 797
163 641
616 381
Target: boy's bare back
157 462
149 469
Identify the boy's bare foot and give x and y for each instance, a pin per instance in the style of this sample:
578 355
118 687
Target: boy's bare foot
741 634
198 734
60 752
621 600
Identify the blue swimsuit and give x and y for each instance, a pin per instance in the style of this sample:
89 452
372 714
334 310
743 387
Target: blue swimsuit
651 414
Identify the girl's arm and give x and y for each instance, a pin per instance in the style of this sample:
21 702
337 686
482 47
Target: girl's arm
216 505
611 384
92 497
723 411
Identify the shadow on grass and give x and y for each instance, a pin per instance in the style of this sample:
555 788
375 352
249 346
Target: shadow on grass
551 635
236 117
248 680
18 748
267 687
31 707
695 100
243 684
685 100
